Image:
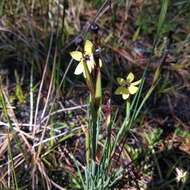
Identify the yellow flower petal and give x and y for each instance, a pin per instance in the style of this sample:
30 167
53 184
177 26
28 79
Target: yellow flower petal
130 77
132 89
76 55
125 96
136 83
88 47
90 63
79 69
121 90
120 81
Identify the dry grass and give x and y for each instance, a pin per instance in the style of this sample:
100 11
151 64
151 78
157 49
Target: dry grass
44 107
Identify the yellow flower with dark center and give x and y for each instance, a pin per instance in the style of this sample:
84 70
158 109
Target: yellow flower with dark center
85 57
127 86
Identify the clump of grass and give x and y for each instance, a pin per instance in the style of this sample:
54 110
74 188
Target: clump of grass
98 174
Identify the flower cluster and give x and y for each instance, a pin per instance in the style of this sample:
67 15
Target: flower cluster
127 86
85 57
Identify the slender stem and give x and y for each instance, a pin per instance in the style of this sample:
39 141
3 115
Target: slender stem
94 131
87 144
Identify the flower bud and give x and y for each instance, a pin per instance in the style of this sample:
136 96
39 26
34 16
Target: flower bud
94 27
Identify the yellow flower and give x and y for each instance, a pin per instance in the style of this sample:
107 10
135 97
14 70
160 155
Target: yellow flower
127 87
85 57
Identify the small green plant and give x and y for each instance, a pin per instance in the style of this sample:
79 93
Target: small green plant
153 137
19 91
98 173
4 102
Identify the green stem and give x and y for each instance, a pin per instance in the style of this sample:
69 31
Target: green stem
87 141
94 132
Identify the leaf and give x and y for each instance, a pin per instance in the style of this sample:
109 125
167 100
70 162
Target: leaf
162 17
156 75
76 55
100 63
19 90
89 81
98 93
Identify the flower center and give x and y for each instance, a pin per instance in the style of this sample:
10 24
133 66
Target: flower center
86 58
126 84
